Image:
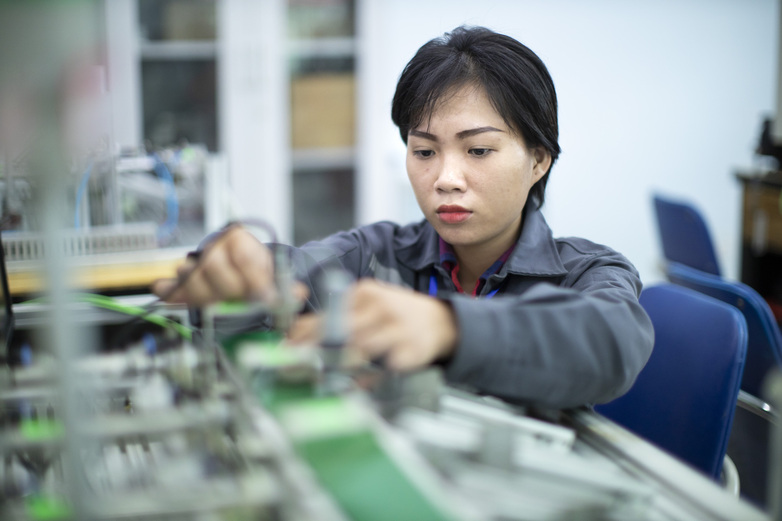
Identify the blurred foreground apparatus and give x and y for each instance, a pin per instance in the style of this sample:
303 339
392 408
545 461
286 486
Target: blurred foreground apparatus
165 420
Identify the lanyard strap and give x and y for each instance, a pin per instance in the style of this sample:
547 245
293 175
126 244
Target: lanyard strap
433 286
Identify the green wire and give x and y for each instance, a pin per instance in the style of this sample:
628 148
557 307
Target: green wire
102 301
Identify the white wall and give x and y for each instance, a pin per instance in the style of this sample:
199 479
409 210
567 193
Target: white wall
664 95
253 108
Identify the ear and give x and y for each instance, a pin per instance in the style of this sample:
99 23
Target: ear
541 162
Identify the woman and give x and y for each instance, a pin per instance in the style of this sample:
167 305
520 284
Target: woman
480 285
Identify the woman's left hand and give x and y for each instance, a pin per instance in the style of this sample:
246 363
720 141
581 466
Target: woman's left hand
408 330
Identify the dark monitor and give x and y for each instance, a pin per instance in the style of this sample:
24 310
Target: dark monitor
6 309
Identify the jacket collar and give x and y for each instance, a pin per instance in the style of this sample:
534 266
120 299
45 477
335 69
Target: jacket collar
535 254
419 248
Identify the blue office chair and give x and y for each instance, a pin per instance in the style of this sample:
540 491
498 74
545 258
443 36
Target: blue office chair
764 348
749 441
684 398
684 235
691 261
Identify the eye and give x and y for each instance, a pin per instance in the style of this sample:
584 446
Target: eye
480 152
423 154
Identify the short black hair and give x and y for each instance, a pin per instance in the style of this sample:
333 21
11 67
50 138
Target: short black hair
515 79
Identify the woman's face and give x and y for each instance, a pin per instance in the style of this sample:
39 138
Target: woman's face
471 174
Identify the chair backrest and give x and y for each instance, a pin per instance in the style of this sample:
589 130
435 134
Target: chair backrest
684 398
764 347
684 235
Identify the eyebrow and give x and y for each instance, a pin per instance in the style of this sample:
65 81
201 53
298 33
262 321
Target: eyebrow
473 131
461 135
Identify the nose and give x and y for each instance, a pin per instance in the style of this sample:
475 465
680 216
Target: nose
451 177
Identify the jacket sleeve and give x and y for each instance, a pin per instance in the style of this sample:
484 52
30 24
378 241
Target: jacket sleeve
583 341
348 251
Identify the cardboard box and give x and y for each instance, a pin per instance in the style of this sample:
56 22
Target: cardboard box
323 110
190 20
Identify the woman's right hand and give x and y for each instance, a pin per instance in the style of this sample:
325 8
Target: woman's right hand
237 266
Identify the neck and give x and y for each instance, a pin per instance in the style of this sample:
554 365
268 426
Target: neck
475 259
473 262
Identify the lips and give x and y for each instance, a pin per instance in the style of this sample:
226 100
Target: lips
452 214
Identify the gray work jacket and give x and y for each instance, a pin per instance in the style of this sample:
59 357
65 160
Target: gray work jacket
565 328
